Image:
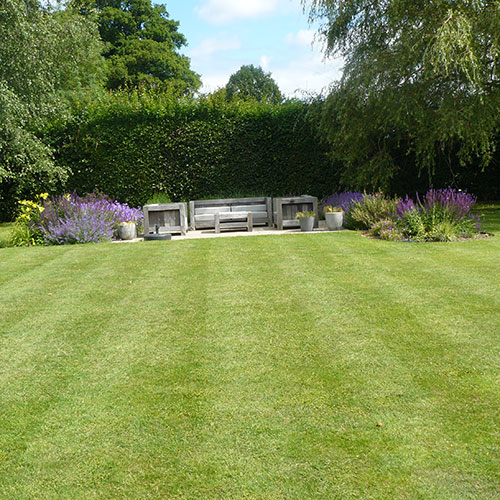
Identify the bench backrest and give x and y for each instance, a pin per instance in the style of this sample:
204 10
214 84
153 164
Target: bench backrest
202 212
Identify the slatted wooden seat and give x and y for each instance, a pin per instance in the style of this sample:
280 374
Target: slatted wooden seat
202 212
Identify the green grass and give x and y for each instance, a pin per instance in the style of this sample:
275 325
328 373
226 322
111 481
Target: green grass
251 368
5 229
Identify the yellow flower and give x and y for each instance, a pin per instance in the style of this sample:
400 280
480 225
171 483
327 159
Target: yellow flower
67 196
43 196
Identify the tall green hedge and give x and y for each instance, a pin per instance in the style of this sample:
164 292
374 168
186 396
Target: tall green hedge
131 147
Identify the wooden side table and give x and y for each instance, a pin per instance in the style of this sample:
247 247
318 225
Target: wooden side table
285 210
169 217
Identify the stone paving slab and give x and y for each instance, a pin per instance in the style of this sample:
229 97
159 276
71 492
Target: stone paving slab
257 231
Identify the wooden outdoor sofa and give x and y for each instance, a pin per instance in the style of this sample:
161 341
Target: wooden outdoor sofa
230 213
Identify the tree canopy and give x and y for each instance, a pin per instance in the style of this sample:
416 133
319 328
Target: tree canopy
142 45
253 83
47 58
421 78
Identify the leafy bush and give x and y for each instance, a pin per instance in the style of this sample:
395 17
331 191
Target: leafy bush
412 225
386 229
444 230
373 208
26 229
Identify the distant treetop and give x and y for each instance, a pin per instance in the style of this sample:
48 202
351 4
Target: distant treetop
252 83
142 45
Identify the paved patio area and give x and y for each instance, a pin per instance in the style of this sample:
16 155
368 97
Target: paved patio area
257 231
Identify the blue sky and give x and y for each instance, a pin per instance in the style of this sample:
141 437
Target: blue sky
223 35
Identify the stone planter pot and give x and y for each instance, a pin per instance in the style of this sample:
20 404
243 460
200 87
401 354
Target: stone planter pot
127 231
306 224
334 220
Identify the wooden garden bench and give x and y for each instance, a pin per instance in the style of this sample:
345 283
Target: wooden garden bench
240 213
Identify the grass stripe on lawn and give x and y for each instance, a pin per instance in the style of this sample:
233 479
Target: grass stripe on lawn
250 368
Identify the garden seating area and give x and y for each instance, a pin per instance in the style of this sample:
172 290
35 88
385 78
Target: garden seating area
203 212
438 215
229 214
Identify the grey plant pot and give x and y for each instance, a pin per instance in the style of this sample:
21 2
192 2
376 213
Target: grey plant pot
306 224
334 220
127 231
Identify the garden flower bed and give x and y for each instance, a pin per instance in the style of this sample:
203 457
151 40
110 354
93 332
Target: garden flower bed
440 215
69 219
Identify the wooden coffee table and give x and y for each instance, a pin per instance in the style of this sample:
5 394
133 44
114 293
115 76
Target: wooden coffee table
233 220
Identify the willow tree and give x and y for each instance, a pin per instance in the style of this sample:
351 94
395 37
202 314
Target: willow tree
421 78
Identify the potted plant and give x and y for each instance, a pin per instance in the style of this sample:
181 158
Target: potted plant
334 217
127 230
306 220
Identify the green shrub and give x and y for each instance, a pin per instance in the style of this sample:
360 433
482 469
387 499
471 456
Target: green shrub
386 229
373 208
435 224
25 230
158 198
413 226
444 230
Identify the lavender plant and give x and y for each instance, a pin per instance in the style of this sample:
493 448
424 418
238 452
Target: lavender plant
344 200
458 203
89 219
403 206
441 215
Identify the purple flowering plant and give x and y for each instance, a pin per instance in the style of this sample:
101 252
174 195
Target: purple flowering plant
422 220
386 229
89 219
344 200
403 206
457 202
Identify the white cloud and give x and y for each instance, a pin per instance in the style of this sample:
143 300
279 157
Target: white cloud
303 38
212 45
264 62
308 70
215 81
308 73
226 11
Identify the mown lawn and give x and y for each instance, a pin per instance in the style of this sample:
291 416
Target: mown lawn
5 229
325 366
